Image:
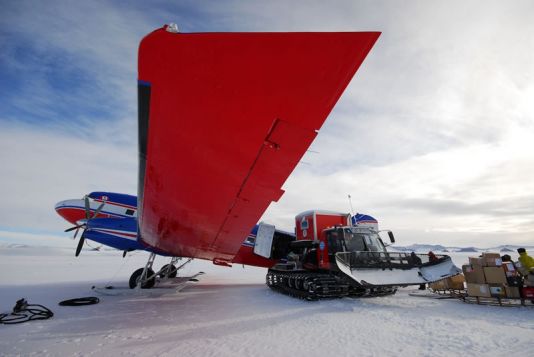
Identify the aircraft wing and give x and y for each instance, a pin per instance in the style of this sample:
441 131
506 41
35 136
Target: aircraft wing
224 118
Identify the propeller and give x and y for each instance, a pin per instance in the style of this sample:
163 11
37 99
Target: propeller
83 222
80 245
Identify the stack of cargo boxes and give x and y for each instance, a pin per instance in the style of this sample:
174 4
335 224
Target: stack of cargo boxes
488 276
453 283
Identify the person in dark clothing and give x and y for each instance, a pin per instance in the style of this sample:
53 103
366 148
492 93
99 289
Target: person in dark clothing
415 260
432 257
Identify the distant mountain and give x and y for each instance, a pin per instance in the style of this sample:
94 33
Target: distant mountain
13 245
424 248
513 248
421 248
468 249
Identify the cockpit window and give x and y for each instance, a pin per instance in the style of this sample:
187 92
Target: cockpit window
358 240
354 241
375 245
335 244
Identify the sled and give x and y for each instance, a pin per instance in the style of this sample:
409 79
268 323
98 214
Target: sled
163 286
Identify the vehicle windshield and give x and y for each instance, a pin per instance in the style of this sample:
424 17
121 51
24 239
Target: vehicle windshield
354 241
357 240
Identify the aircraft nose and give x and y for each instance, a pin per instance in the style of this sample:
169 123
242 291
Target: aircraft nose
71 210
59 205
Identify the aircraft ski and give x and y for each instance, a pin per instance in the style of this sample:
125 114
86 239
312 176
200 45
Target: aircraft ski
394 269
162 287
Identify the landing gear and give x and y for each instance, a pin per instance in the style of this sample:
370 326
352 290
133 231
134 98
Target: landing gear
169 270
145 278
136 279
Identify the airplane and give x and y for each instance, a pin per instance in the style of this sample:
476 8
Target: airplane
223 120
110 219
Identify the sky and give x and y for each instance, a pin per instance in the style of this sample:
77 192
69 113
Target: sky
434 136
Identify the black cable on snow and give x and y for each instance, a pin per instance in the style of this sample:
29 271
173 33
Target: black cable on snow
89 300
23 312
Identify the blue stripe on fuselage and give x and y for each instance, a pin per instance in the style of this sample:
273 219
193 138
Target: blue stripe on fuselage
119 198
112 241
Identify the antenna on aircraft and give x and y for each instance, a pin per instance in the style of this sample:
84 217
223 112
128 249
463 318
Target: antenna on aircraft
350 203
172 27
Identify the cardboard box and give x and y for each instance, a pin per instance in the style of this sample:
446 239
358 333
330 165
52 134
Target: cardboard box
494 275
440 285
492 259
476 261
467 268
497 290
512 292
456 282
528 293
474 274
481 290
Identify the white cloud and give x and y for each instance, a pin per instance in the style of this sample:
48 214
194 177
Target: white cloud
58 158
42 168
484 188
36 239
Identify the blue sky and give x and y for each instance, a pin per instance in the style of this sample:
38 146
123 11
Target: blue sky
433 136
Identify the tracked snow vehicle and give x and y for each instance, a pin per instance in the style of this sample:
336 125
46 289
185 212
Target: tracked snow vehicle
336 255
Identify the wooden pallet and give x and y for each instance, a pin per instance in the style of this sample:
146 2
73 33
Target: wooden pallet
497 301
455 293
439 294
494 301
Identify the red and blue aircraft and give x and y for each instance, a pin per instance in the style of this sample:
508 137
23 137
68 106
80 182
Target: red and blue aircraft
224 118
111 219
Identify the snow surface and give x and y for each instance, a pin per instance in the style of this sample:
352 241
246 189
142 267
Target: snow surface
231 312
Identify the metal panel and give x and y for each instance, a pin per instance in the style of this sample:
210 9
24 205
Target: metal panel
264 240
